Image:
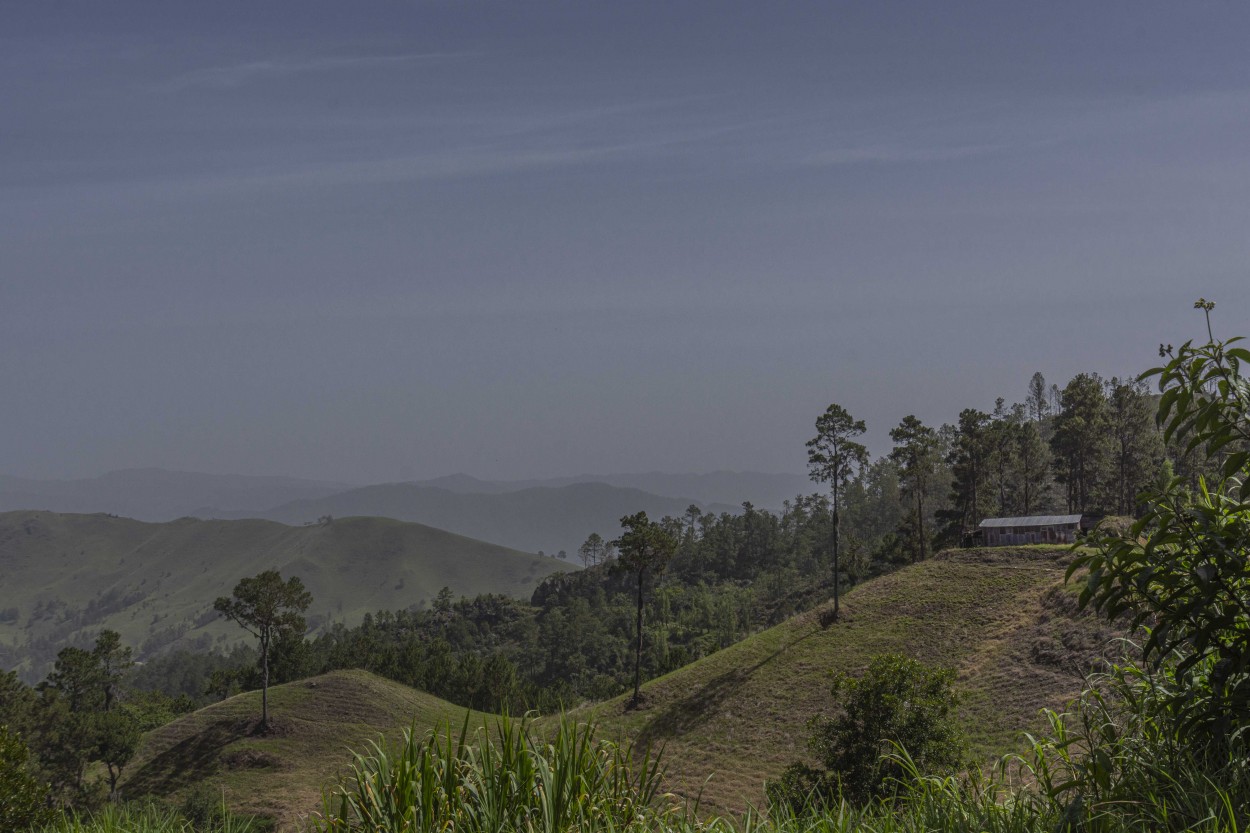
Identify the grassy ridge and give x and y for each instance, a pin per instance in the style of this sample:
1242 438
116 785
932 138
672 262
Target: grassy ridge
281 774
1000 617
155 583
727 722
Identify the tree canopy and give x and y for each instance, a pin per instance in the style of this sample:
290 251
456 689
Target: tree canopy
268 608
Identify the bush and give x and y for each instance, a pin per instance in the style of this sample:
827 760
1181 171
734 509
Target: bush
898 719
1181 571
1164 745
23 799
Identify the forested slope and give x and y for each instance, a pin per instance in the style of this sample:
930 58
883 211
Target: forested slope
63 577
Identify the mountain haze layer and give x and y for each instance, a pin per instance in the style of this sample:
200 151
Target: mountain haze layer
532 519
550 515
158 494
733 488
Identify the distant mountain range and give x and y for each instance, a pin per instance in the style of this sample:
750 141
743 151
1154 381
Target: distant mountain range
549 515
158 494
152 494
764 491
533 519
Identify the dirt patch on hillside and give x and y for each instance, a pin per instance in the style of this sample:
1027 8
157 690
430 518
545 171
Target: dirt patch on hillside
252 759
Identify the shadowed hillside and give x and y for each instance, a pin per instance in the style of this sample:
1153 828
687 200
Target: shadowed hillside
281 773
62 577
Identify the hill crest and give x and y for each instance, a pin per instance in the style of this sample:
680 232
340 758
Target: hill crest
316 723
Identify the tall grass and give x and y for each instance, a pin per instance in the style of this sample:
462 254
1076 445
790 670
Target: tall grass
498 779
1120 759
144 818
1097 771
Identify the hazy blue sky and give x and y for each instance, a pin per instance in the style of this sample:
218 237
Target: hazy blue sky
381 240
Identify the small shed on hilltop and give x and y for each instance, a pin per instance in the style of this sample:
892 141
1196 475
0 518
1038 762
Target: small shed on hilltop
1030 529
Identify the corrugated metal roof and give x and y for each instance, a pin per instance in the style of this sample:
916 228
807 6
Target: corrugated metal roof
1033 520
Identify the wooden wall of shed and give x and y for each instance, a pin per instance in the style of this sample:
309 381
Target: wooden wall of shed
1015 536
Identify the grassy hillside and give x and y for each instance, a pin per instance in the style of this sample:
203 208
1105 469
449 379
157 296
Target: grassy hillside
69 575
1000 617
281 773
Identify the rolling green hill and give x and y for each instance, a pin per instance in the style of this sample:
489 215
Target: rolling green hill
63 577
727 722
281 774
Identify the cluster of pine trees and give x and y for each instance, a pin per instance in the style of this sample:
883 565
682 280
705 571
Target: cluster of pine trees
1088 448
84 716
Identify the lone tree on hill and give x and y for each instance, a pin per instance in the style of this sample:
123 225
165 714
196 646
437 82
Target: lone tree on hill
645 545
267 607
833 457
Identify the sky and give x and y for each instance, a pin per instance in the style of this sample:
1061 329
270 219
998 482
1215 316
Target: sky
375 241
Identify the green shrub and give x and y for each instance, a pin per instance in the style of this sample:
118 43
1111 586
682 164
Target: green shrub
23 799
1181 572
898 705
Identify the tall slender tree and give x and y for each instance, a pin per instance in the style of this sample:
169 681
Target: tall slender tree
1032 457
1001 452
591 551
645 546
834 457
967 458
1082 442
915 452
1137 446
1038 402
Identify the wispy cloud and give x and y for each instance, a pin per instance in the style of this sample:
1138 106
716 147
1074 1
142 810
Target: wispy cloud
236 75
893 154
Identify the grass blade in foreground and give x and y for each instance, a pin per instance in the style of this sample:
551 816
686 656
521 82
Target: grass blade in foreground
501 779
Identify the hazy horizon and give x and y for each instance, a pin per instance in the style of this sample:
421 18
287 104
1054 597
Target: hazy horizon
393 241
434 477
